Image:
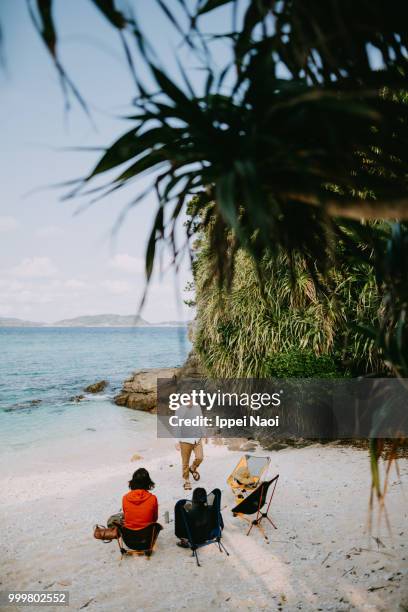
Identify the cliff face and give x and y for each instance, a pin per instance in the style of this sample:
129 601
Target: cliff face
139 391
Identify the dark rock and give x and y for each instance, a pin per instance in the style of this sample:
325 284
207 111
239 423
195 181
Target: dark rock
273 442
77 398
97 387
24 405
275 446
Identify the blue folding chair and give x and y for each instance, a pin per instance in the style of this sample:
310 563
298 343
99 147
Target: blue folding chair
200 524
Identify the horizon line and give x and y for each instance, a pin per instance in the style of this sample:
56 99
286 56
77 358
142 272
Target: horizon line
65 322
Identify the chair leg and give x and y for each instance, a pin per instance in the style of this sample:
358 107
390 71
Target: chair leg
121 548
196 557
271 522
261 529
222 547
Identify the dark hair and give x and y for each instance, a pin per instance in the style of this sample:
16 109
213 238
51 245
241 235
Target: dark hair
141 480
199 496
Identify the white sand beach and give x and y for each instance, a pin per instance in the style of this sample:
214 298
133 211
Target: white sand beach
320 558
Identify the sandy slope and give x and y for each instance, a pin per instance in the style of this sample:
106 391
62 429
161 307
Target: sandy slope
318 559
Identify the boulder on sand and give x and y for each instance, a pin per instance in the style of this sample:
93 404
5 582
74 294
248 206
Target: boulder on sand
140 390
97 387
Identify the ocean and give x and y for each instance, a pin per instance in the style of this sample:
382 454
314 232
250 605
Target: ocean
41 369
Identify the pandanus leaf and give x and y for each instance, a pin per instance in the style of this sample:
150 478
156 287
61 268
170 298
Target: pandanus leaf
211 5
129 146
47 28
112 14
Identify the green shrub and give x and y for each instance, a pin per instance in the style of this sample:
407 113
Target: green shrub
301 364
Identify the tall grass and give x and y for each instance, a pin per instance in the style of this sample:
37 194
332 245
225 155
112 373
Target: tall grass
239 331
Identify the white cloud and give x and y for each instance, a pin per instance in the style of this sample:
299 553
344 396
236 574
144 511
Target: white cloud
8 224
49 230
10 285
34 267
126 263
15 292
74 283
117 287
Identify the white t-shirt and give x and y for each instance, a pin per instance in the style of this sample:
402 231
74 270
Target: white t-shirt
189 412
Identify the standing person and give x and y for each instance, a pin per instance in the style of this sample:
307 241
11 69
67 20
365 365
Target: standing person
188 446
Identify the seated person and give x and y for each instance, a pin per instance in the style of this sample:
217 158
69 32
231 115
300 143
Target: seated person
198 501
140 507
197 510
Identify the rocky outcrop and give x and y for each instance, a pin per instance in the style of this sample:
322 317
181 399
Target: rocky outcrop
140 390
97 387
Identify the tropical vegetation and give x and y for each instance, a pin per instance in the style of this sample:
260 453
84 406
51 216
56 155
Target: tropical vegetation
289 324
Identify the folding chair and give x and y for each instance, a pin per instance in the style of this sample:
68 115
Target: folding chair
138 541
200 525
254 503
255 467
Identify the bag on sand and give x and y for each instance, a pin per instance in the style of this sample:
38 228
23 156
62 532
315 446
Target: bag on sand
107 534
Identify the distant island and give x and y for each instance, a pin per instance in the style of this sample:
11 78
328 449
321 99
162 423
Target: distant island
102 320
12 322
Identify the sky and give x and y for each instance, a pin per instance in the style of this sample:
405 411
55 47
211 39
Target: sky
58 259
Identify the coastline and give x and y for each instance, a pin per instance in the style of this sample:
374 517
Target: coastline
321 556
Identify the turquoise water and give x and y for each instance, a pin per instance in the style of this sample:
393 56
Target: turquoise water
41 369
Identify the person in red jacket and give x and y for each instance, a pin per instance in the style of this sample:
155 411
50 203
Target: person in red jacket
140 508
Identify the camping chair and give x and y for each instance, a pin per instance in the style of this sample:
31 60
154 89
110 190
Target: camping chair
256 467
254 503
201 525
138 541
